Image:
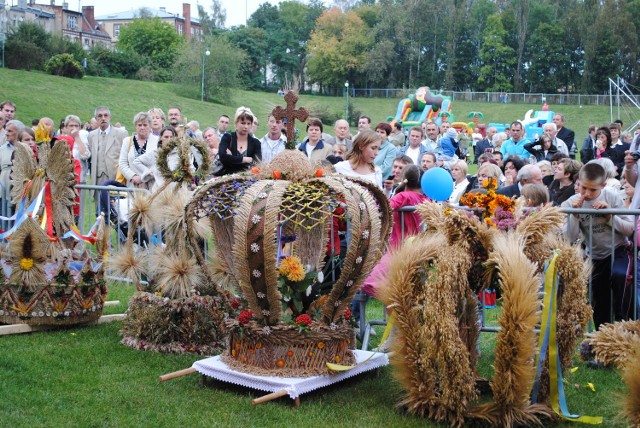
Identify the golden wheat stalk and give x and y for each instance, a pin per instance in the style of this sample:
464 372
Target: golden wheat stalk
516 343
631 376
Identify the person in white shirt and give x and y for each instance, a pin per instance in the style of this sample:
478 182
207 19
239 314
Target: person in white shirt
551 130
274 141
361 159
414 149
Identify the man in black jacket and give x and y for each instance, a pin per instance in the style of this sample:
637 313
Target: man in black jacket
565 134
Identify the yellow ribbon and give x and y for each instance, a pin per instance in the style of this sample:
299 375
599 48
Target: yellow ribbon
550 300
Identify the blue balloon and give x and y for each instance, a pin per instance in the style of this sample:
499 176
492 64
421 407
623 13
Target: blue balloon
437 184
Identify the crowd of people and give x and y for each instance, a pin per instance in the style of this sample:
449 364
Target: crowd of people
541 171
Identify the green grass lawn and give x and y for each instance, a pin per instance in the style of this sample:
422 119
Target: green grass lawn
84 377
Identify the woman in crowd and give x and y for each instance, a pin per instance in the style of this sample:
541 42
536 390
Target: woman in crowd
157 121
459 173
546 169
616 148
486 171
543 149
138 144
565 174
80 148
603 140
610 170
360 160
387 152
314 146
511 167
239 150
497 140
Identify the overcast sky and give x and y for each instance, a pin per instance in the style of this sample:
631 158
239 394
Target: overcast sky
235 8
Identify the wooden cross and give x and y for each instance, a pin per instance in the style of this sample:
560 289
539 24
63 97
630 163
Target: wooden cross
291 114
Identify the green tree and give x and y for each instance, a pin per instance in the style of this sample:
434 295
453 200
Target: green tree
28 46
550 62
153 39
288 27
253 41
497 57
337 49
222 68
214 22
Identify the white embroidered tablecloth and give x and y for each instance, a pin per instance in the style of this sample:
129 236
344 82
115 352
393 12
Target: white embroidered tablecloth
295 386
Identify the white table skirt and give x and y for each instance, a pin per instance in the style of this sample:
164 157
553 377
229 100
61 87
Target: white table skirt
295 386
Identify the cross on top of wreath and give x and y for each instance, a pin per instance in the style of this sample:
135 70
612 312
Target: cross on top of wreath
290 114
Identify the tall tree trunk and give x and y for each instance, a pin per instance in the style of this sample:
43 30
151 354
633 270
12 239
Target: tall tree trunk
522 20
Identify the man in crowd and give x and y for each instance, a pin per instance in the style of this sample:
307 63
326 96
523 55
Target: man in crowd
514 146
428 161
390 183
274 141
223 125
9 110
175 116
342 136
431 141
104 146
397 137
364 123
551 130
527 174
587 152
566 135
414 149
484 145
444 127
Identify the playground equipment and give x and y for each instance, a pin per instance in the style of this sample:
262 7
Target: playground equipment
532 123
421 106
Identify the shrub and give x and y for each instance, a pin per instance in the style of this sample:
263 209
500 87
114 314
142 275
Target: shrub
112 63
64 65
24 55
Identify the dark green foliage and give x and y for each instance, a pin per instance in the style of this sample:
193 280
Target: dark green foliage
64 65
110 63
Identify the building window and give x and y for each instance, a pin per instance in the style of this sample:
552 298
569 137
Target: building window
116 30
72 22
180 29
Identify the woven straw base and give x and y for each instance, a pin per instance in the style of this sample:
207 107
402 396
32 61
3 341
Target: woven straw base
51 305
288 353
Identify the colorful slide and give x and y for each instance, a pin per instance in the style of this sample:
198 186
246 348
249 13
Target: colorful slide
419 107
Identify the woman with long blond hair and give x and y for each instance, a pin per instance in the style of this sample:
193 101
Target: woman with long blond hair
360 159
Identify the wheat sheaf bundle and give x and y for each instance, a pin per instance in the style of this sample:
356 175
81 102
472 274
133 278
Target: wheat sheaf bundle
177 275
613 344
127 264
431 359
29 246
631 376
516 343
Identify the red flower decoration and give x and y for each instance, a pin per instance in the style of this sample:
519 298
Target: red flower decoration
347 313
245 316
303 319
319 172
235 304
255 170
276 174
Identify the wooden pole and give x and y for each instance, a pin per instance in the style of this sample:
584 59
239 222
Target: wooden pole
174 375
26 328
269 397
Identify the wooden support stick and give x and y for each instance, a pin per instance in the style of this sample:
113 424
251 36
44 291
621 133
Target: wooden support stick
112 303
26 328
269 397
109 318
174 375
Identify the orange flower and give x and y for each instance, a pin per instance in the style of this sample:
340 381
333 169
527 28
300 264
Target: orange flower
280 363
276 174
319 172
255 170
320 345
292 268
